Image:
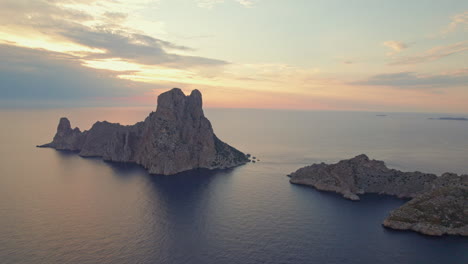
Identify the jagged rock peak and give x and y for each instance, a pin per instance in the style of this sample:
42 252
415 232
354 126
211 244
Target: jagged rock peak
362 157
63 129
64 124
196 95
176 102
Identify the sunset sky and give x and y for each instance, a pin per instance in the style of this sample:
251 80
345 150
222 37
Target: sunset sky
371 55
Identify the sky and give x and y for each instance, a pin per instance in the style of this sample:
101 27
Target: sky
360 55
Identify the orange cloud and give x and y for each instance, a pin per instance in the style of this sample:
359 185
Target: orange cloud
396 46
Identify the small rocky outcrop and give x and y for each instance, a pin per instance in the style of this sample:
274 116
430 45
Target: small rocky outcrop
175 138
362 175
439 205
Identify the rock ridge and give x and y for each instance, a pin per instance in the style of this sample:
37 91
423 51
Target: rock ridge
362 175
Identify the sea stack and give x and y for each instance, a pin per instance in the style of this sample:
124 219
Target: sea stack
176 138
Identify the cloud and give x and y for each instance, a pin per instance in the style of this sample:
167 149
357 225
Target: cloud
138 48
458 21
29 74
347 60
209 4
116 17
411 80
433 54
59 21
395 46
246 3
25 12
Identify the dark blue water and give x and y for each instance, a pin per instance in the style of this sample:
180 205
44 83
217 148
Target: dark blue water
57 207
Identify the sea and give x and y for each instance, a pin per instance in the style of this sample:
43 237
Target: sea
57 207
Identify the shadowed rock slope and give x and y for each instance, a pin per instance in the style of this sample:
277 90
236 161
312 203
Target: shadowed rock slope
175 138
440 204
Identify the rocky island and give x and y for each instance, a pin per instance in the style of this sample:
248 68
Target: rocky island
361 175
439 205
176 138
450 118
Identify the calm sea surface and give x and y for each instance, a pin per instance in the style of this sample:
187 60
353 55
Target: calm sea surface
56 207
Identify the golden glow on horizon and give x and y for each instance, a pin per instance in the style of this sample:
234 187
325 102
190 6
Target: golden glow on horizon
262 77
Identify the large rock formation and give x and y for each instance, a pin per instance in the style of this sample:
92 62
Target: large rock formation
440 204
175 138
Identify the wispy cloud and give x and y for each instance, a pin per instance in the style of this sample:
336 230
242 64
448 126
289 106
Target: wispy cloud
347 60
209 4
458 21
115 17
411 80
395 46
433 54
134 47
246 3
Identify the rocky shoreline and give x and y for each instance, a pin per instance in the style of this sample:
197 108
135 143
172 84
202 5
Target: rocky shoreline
439 205
175 138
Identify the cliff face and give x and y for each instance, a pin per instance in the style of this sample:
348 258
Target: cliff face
175 138
439 206
361 175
